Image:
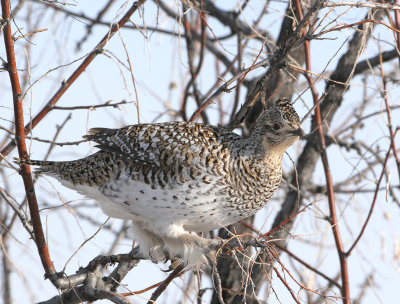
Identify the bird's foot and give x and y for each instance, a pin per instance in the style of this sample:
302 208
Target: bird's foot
175 262
157 253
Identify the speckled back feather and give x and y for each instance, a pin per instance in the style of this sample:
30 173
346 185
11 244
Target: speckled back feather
177 176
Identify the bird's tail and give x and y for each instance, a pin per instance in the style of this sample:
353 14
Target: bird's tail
43 166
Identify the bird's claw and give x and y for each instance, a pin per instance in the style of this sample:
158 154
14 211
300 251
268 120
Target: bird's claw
175 262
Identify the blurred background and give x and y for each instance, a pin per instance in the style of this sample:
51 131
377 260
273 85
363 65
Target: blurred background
162 65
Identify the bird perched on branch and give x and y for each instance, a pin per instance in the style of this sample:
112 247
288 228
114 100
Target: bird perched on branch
176 177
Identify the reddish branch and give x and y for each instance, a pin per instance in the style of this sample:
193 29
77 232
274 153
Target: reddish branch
275 63
284 282
298 259
345 288
338 28
285 270
20 141
225 88
194 71
284 222
161 288
333 282
397 20
374 199
75 75
332 210
389 115
20 130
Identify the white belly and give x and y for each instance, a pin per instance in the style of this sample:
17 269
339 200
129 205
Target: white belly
198 209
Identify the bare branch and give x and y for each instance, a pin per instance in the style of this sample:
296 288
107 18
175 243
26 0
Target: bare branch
367 4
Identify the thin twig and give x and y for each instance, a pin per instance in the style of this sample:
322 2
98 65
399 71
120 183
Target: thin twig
329 182
358 4
14 205
75 75
20 142
389 116
92 107
48 141
373 200
161 288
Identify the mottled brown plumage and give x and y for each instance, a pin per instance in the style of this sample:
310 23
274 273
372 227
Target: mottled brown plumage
171 178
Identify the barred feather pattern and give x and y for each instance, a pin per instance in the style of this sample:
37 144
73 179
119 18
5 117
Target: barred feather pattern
175 177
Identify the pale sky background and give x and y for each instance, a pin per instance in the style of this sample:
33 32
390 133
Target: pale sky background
156 60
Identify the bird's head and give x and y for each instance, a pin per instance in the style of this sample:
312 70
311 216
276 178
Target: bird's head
279 126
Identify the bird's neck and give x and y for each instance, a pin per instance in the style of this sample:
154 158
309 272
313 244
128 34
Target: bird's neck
257 148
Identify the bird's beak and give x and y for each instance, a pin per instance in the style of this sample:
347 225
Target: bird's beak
299 132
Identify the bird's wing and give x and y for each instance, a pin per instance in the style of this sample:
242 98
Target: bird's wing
160 144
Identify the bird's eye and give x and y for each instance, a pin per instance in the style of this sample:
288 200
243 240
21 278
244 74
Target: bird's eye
276 126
